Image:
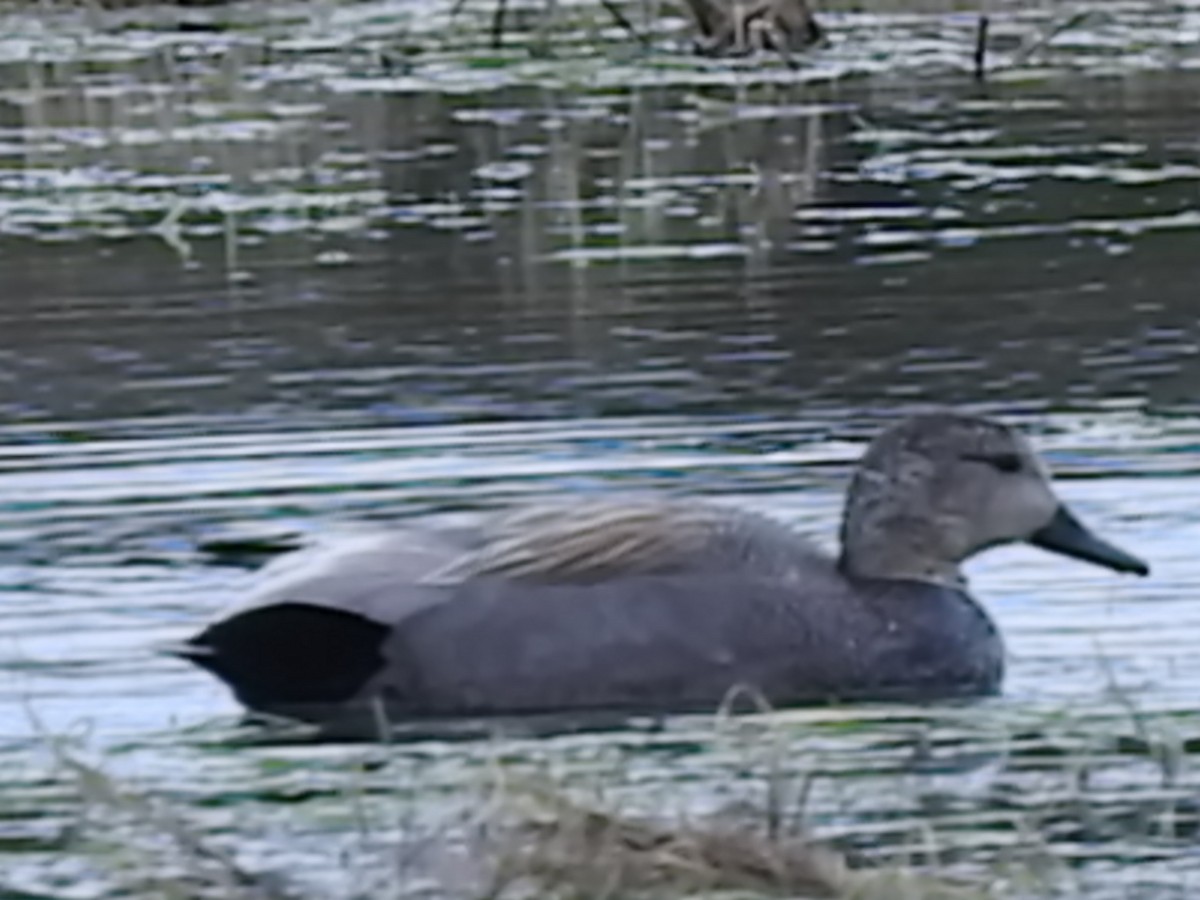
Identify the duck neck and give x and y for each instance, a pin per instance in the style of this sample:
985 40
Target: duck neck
897 555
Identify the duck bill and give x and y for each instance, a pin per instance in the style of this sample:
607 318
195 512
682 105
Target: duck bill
1067 535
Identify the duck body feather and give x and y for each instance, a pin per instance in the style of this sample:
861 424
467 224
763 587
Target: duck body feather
651 604
628 606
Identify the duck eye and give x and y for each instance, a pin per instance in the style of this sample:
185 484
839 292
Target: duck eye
1008 463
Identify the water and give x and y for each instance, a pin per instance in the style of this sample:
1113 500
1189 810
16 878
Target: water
469 278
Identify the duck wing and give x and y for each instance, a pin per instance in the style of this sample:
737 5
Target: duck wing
598 539
391 575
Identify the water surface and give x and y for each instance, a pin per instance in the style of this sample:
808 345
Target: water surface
389 292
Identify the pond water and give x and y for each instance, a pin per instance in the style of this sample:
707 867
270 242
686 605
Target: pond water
261 277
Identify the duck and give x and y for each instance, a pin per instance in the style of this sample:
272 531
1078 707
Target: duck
649 605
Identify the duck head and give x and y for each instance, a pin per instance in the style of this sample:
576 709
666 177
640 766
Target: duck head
935 489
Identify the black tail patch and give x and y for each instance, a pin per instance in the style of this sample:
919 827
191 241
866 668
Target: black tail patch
291 654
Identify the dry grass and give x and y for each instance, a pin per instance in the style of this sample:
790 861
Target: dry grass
555 847
563 845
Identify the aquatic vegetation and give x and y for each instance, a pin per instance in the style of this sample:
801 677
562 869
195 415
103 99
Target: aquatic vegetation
255 122
735 28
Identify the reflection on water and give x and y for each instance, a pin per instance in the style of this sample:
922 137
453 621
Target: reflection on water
703 285
1024 245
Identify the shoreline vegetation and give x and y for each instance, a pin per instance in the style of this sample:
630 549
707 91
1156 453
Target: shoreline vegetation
524 833
720 28
528 837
